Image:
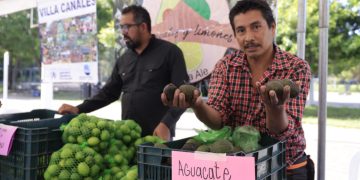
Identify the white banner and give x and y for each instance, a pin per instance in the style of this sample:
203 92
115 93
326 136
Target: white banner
68 41
60 9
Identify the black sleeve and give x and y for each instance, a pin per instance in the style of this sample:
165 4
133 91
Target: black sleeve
108 94
179 76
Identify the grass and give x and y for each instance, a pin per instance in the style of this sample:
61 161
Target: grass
339 117
339 88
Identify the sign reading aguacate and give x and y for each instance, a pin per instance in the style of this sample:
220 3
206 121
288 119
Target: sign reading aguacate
203 165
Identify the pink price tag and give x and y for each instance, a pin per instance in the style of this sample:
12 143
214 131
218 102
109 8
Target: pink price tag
6 138
202 165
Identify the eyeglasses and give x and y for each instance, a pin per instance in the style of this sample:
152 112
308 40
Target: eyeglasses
126 27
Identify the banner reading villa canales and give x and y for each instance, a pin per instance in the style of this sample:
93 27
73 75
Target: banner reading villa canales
68 40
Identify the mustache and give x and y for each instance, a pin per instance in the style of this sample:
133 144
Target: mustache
251 44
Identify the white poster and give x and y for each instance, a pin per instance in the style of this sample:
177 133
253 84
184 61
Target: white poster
68 41
200 28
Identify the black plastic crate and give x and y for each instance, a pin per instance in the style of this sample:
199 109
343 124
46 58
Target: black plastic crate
155 163
38 135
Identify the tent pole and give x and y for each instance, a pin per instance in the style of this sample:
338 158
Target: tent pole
323 73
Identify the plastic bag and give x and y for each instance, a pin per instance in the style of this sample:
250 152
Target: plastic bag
210 136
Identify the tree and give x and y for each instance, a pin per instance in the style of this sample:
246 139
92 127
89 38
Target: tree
23 42
19 39
344 33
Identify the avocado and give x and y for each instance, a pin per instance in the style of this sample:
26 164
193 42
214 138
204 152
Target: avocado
188 90
169 91
191 145
221 146
275 85
294 88
203 148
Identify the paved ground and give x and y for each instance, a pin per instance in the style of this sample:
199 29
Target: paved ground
341 144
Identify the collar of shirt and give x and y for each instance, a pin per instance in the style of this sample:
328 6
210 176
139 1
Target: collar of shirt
280 61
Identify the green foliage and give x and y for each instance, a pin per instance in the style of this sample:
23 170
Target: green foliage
344 33
338 117
334 112
19 39
107 35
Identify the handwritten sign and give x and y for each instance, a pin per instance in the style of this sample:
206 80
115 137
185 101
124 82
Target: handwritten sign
6 137
202 165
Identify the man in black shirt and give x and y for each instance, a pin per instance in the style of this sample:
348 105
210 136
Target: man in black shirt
141 73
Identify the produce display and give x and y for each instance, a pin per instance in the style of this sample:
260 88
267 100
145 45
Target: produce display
73 161
98 149
225 140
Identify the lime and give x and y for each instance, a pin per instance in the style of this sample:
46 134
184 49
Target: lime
118 158
80 139
135 135
131 124
139 141
105 135
115 170
103 145
132 174
102 124
66 153
118 134
93 141
47 175
73 130
70 162
89 160
79 156
89 151
82 117
75 122
62 163
126 139
53 169
96 132
64 174
124 167
119 175
55 156
90 125
83 169
85 131
98 159
150 138
75 176
124 129
95 169
138 129
71 139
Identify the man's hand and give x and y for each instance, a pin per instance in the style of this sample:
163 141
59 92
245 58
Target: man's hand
68 109
162 131
272 99
276 116
179 100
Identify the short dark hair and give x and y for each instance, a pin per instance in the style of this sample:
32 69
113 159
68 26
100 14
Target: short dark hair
244 6
141 15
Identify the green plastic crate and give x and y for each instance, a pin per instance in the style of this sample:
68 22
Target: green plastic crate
155 163
37 137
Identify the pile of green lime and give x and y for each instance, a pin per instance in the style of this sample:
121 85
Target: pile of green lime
91 130
73 161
